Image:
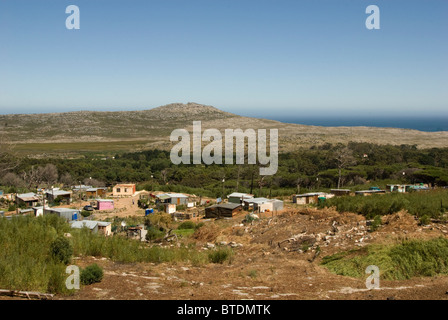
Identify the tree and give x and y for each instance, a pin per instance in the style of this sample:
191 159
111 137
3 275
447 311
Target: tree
344 158
66 179
12 180
49 174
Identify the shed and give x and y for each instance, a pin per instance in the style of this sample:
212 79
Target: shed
340 192
94 226
28 200
227 210
309 198
68 214
96 192
103 204
63 196
173 198
369 192
237 197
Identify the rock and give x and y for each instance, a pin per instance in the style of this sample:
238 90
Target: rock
210 246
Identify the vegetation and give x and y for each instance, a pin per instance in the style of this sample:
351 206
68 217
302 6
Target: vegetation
320 167
91 274
430 203
33 254
220 255
406 260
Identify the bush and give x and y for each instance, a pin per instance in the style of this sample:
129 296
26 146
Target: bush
220 255
91 274
187 225
61 250
199 225
424 220
86 214
154 234
376 223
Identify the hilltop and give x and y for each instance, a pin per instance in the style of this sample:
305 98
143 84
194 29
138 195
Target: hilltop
136 130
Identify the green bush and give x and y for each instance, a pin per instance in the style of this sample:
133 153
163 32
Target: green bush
91 274
187 225
424 220
199 225
154 233
376 223
61 250
86 214
220 255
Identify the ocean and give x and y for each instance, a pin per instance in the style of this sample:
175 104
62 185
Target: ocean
422 124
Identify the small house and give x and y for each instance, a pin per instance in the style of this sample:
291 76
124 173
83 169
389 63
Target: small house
226 210
104 204
124 190
27 200
237 197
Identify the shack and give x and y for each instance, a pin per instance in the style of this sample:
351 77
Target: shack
61 196
68 214
172 198
27 200
309 198
226 210
94 226
340 192
237 197
369 192
103 204
93 193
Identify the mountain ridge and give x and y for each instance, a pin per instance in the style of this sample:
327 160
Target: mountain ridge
153 127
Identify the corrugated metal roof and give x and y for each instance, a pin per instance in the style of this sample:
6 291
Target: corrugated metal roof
240 195
226 206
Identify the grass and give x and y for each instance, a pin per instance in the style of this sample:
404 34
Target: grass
409 259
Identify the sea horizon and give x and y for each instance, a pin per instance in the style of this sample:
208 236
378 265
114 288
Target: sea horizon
425 124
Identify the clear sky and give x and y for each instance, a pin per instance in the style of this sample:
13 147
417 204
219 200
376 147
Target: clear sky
258 57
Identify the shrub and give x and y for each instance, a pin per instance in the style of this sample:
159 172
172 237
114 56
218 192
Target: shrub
61 250
187 225
91 274
199 225
376 223
424 220
154 234
86 214
220 255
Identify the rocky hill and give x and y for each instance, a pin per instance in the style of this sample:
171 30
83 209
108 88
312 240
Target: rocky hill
153 127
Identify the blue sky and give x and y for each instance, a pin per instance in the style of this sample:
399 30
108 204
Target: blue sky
259 57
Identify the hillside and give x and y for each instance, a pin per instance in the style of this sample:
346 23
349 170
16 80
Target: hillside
136 130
